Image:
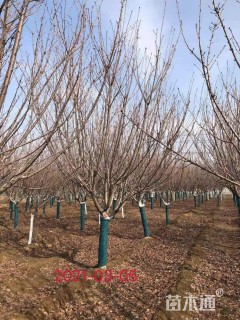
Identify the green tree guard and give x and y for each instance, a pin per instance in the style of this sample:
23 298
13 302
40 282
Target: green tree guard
202 197
167 214
144 219
238 204
103 243
16 215
58 208
27 204
195 201
82 215
152 201
114 204
199 200
50 202
11 209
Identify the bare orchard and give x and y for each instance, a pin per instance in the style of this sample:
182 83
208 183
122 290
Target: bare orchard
119 191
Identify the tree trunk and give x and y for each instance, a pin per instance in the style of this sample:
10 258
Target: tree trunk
144 219
103 243
82 215
31 229
58 209
167 215
16 215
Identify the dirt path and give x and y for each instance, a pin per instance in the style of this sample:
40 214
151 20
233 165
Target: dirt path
197 253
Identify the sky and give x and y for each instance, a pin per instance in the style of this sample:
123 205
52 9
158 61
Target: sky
151 13
185 66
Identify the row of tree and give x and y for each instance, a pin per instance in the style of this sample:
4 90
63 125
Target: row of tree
88 109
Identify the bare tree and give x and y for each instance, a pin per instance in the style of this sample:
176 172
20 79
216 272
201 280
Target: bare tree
218 136
36 85
109 156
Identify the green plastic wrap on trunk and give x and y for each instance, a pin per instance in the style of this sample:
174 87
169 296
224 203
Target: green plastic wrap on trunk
144 221
11 205
199 200
103 243
16 216
152 202
82 215
167 215
114 204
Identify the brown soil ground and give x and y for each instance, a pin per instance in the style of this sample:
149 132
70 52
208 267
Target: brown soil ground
198 253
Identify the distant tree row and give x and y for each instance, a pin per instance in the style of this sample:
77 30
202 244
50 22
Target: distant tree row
82 108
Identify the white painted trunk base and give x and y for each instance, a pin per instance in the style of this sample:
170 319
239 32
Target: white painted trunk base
31 229
122 212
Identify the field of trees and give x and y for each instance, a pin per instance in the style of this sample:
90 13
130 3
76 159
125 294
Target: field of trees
119 194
